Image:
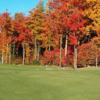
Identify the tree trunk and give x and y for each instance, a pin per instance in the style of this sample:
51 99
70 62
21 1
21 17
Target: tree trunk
66 44
28 56
3 50
66 41
7 54
10 54
35 49
10 51
96 62
38 53
75 48
49 47
14 49
23 53
75 55
60 50
2 56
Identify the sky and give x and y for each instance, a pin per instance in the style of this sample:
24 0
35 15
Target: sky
14 6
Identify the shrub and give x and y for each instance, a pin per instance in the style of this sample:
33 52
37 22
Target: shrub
36 62
18 60
51 57
87 54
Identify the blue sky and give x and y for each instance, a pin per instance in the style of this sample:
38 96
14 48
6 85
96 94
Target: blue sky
14 6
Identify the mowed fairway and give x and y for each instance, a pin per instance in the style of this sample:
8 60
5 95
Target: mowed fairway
40 83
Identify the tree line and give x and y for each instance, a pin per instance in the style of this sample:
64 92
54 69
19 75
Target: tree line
64 33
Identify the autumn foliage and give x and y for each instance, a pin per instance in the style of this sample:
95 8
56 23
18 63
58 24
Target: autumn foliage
24 39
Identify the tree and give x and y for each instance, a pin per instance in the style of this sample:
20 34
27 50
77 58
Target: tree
5 27
36 26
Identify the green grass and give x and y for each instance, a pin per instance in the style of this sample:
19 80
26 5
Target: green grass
48 83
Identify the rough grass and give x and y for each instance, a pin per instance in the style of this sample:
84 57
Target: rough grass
48 83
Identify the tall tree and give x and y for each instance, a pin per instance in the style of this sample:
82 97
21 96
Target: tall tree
36 26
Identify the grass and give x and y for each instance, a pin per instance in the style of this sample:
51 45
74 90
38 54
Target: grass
48 83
